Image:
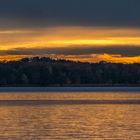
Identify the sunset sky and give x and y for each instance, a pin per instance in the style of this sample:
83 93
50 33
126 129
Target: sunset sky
79 30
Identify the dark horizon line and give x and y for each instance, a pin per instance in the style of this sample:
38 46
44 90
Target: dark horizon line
66 102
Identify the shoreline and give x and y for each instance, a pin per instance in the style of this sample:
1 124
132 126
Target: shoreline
69 89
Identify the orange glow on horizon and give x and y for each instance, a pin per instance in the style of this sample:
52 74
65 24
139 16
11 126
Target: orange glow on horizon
67 36
95 58
92 58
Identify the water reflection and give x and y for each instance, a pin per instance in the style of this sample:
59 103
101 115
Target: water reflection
82 122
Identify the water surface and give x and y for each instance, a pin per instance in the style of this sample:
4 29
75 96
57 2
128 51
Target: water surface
70 116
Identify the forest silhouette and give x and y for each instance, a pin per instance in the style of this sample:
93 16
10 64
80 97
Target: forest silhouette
44 71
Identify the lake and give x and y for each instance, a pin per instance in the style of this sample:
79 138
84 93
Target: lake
70 115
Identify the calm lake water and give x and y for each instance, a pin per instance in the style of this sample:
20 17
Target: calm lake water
70 116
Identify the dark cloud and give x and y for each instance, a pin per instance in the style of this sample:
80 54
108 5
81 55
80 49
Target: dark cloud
39 13
115 50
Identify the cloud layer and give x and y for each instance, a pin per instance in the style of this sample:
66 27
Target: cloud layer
83 50
71 29
42 13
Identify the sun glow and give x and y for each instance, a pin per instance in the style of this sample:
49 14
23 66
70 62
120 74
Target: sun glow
55 37
66 36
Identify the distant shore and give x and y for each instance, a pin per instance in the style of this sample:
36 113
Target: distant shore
68 89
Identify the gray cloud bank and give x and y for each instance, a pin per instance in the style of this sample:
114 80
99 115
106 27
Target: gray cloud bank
83 50
40 13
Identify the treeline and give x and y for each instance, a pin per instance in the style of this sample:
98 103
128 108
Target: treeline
48 72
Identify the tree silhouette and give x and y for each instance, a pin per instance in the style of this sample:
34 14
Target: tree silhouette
44 71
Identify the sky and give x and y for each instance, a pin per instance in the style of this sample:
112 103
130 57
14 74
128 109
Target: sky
79 30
